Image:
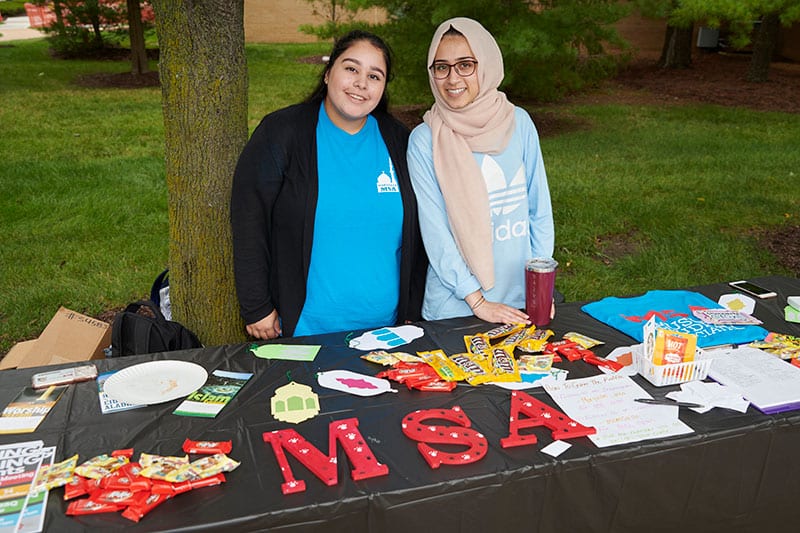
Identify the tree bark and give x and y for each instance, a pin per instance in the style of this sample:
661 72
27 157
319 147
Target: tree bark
136 33
677 49
203 73
764 47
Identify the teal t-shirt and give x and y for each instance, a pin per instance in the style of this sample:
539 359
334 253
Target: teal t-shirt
354 276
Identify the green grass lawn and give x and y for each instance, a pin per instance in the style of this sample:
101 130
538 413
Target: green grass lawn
644 197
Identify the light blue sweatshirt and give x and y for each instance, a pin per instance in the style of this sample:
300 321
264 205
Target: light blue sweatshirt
521 214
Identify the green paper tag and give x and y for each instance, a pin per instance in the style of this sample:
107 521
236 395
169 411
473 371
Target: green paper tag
287 352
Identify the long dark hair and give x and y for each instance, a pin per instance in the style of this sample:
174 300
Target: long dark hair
341 45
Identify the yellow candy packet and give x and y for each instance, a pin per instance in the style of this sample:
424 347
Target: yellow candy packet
161 466
519 335
504 366
535 341
582 340
56 475
478 344
535 363
101 466
380 357
505 329
447 370
473 367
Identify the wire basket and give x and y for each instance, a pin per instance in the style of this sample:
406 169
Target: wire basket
661 375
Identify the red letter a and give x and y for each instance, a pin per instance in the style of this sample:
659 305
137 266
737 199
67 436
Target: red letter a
539 414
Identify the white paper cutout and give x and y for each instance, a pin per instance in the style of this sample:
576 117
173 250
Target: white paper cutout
353 383
386 338
738 302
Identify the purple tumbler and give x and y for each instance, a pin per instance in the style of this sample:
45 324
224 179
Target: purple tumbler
540 277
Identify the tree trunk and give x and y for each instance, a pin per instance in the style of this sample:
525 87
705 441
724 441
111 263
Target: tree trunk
677 49
203 73
763 48
136 33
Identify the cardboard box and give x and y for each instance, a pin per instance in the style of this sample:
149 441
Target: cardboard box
69 337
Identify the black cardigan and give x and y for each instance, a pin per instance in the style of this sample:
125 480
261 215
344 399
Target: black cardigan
273 207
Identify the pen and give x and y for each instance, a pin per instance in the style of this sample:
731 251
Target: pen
654 401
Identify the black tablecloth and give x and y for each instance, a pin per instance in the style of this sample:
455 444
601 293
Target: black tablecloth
736 472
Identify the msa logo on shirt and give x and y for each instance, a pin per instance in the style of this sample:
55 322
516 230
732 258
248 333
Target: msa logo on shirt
505 198
387 183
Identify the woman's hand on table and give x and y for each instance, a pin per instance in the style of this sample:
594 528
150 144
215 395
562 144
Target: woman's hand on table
267 328
500 313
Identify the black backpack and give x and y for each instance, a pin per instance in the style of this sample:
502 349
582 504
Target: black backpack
134 332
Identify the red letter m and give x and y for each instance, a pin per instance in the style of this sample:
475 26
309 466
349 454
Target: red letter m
324 466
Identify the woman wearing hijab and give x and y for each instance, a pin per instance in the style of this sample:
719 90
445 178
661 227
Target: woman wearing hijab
477 171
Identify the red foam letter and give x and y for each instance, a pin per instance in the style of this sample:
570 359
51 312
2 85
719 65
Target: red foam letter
539 414
414 429
324 467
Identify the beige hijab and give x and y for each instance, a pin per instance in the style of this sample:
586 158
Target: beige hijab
485 125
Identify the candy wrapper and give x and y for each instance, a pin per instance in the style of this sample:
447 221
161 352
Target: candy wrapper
128 477
504 366
202 468
406 371
478 344
76 488
89 506
207 447
160 467
535 363
115 496
535 341
784 346
501 331
436 385
100 466
473 367
443 366
56 475
143 504
514 338
147 460
582 340
385 358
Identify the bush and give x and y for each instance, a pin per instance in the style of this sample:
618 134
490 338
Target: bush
12 8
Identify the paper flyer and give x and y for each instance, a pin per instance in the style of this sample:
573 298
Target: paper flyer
108 404
19 463
32 520
28 409
606 402
220 387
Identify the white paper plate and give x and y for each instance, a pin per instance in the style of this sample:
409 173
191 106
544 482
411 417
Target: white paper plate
155 382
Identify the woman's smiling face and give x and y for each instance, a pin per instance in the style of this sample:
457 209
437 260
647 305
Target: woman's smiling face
455 90
356 82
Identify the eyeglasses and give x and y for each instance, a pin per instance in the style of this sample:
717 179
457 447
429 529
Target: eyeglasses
464 68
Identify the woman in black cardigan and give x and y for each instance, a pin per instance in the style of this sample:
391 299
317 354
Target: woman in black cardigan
276 204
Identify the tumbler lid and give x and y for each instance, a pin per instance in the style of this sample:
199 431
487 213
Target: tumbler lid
541 264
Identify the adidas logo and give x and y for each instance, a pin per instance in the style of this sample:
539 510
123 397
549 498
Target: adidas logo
505 198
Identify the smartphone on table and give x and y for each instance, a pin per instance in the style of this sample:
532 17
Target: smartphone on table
752 289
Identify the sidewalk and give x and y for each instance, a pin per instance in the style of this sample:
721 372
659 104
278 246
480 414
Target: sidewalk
16 28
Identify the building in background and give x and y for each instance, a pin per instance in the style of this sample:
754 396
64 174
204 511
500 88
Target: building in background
278 21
